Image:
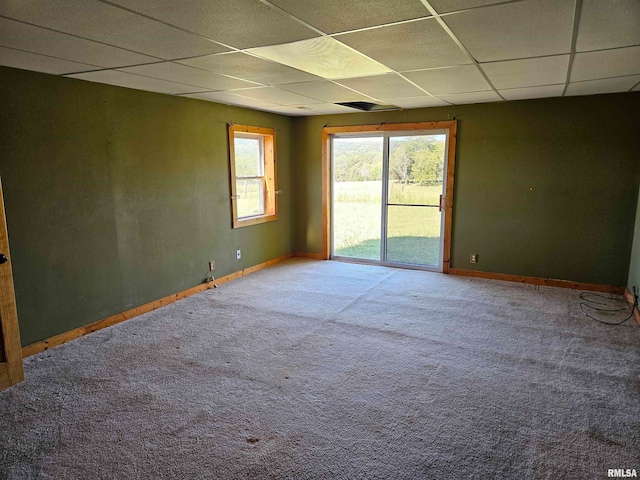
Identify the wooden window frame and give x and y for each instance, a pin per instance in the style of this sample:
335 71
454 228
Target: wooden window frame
270 178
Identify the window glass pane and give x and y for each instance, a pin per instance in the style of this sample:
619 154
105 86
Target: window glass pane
248 154
357 197
413 235
416 164
250 193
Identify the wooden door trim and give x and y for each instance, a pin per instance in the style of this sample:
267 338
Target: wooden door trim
13 371
448 204
450 125
326 193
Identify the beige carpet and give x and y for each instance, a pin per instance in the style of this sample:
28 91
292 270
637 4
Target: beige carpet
322 370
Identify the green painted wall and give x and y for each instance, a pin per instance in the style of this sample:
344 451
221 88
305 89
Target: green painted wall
116 197
543 188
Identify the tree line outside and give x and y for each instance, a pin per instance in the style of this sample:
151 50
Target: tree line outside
412 160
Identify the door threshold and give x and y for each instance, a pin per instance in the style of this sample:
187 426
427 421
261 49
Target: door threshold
406 266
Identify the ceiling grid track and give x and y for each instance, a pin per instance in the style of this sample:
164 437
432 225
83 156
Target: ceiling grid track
293 17
574 40
421 88
460 45
288 55
80 38
140 14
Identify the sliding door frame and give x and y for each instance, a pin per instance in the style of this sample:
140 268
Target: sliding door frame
328 132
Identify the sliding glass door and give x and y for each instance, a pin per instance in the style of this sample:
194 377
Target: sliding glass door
387 197
357 197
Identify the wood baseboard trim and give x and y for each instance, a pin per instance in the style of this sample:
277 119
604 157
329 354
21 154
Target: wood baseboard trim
65 337
632 301
315 256
548 282
255 268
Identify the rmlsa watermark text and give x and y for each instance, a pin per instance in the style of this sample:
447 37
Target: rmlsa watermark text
622 473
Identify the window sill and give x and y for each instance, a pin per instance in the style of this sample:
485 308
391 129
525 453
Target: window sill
247 222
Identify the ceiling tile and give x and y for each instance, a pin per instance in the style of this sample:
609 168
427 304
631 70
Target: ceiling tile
275 95
129 80
522 45
230 99
475 97
240 23
450 80
608 85
174 72
329 108
39 63
637 87
325 91
333 16
105 23
408 46
530 28
323 56
21 36
289 111
446 6
416 102
533 92
608 24
250 68
318 109
529 72
383 86
605 64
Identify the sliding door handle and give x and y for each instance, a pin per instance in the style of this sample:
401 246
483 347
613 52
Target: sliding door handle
440 204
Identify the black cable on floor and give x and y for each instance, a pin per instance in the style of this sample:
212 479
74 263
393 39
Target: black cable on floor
586 295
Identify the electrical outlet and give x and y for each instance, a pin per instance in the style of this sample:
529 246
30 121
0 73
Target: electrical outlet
212 265
473 258
238 254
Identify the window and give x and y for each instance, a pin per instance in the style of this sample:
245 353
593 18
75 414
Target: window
253 175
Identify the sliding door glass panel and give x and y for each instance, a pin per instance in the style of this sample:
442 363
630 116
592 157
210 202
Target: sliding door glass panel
357 197
413 235
416 166
415 186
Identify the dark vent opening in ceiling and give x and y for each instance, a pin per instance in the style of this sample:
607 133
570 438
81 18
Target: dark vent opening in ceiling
368 106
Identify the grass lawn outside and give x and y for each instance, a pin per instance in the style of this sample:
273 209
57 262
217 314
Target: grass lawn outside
413 232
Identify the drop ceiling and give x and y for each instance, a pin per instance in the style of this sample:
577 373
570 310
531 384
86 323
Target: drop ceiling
301 57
